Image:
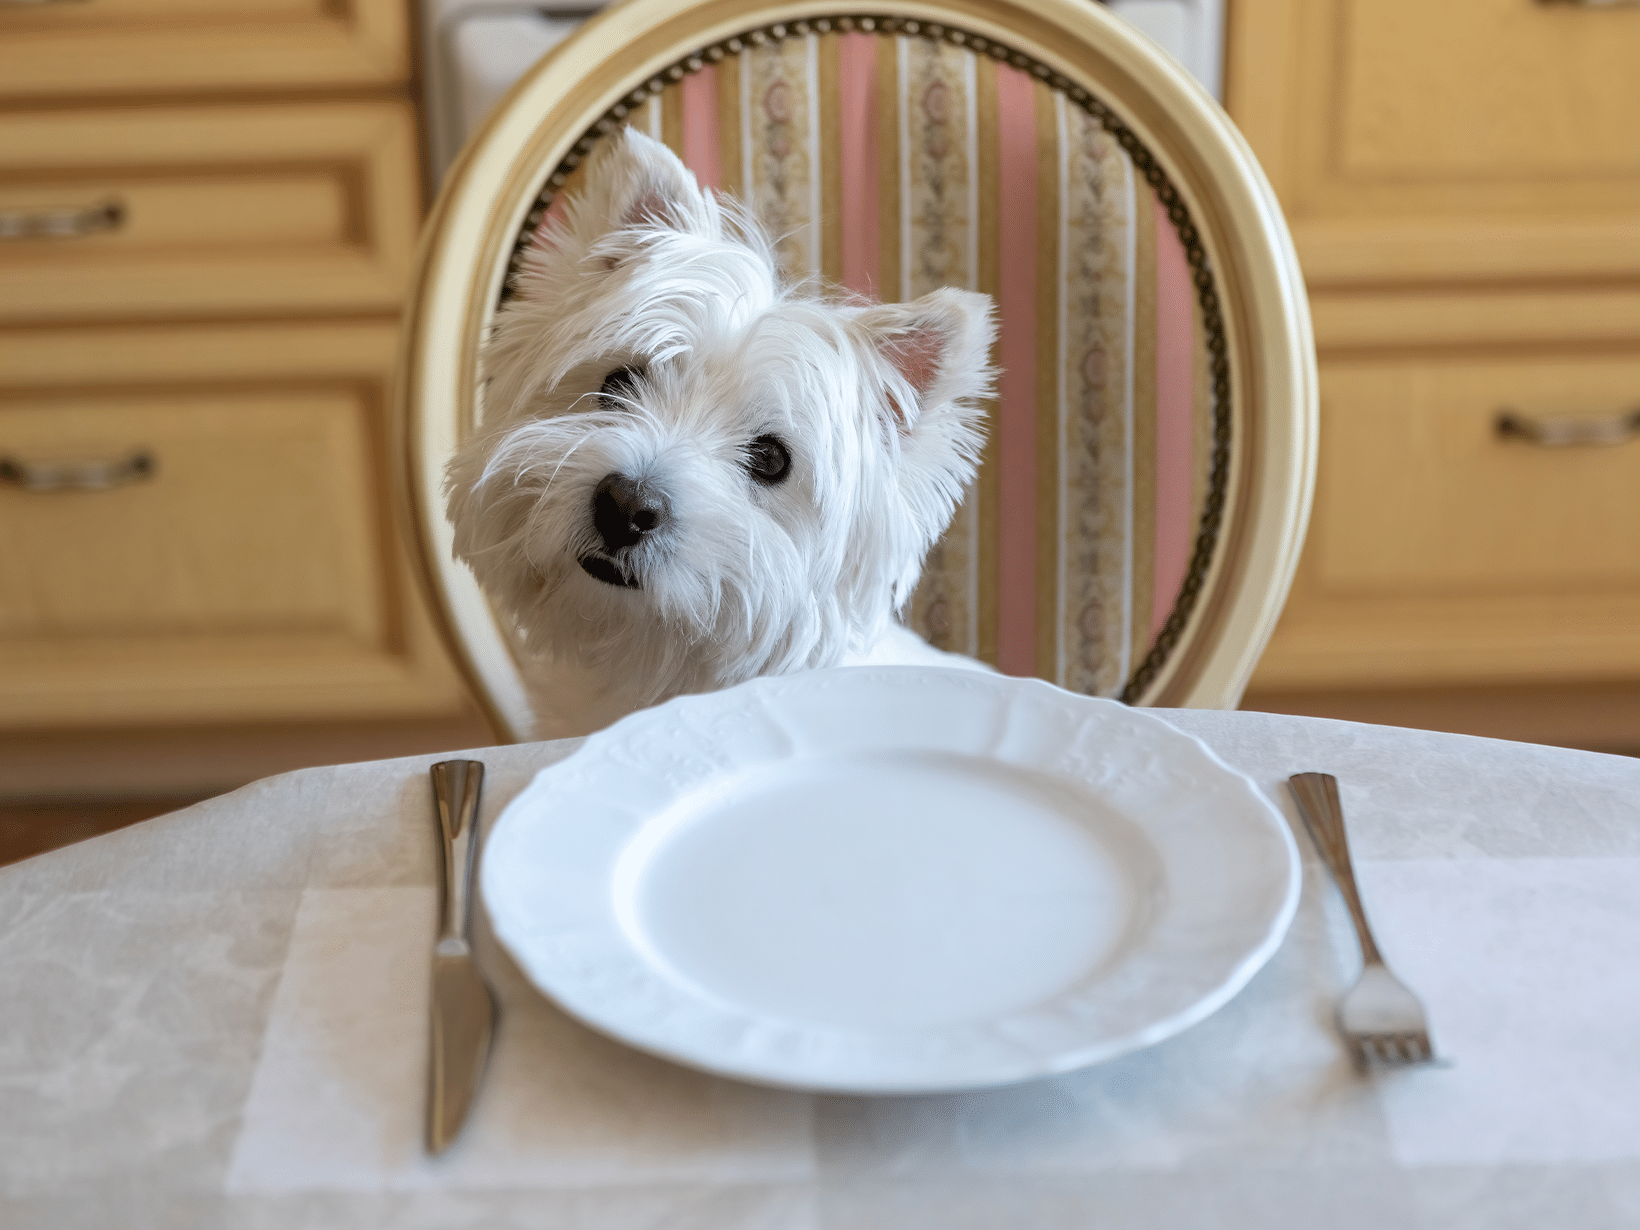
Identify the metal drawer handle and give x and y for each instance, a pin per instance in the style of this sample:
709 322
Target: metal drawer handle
62 221
77 475
1555 430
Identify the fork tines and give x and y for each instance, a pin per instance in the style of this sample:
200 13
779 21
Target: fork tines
1393 1049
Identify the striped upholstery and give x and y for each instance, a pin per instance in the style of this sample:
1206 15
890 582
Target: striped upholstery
891 164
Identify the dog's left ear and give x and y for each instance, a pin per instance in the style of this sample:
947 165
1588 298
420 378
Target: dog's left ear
940 345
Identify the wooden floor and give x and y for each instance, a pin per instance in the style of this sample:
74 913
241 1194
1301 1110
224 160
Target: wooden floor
31 827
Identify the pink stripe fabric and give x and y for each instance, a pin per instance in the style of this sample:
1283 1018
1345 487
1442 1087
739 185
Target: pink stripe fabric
857 98
702 152
1175 397
1016 428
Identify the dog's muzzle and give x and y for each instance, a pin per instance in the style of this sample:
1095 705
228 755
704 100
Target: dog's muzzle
626 512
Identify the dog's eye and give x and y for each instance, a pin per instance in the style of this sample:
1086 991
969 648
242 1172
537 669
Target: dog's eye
617 387
767 460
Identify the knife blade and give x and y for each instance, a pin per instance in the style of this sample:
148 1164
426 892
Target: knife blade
463 1005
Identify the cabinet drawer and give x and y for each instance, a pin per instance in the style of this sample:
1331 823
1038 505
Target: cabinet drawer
252 512
251 574
1443 551
124 46
174 210
1460 142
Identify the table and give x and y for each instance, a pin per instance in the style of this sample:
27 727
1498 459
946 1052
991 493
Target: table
217 1018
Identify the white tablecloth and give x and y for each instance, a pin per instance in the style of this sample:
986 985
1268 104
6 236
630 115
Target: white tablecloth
218 1019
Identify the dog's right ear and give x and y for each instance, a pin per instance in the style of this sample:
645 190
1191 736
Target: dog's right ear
633 184
647 187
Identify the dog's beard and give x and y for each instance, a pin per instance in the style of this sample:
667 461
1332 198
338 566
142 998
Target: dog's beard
723 594
690 620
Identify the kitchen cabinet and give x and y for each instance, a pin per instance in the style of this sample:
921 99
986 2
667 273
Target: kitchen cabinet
208 210
1462 181
107 48
175 211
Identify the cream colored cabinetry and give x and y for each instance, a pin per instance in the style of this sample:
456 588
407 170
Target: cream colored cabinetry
243 208
207 215
1463 185
126 47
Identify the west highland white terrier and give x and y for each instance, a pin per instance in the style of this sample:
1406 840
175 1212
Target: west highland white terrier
690 474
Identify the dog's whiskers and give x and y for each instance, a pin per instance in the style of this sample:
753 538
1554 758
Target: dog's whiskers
557 469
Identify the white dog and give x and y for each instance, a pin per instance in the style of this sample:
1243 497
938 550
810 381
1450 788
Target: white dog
690 474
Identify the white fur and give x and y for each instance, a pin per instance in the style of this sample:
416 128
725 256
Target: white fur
876 405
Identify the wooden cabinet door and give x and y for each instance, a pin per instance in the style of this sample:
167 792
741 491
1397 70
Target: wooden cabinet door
1464 141
251 573
288 207
1441 551
101 47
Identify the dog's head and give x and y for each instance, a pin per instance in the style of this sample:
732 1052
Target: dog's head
689 474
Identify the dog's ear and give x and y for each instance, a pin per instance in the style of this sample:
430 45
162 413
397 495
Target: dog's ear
633 183
649 186
939 345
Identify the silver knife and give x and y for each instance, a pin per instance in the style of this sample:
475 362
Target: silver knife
464 1009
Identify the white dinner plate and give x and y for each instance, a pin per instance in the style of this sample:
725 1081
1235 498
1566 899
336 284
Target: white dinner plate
890 880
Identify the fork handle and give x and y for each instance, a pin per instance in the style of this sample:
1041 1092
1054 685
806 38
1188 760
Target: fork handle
1323 815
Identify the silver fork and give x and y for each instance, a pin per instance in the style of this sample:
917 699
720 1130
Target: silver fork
1381 1019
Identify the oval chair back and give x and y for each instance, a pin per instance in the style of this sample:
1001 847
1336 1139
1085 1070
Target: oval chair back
1144 490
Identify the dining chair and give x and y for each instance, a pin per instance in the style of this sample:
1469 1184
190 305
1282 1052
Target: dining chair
1144 493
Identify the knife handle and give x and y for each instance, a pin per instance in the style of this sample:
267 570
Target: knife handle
456 785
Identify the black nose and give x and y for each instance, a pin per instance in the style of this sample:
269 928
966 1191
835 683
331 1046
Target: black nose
625 509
